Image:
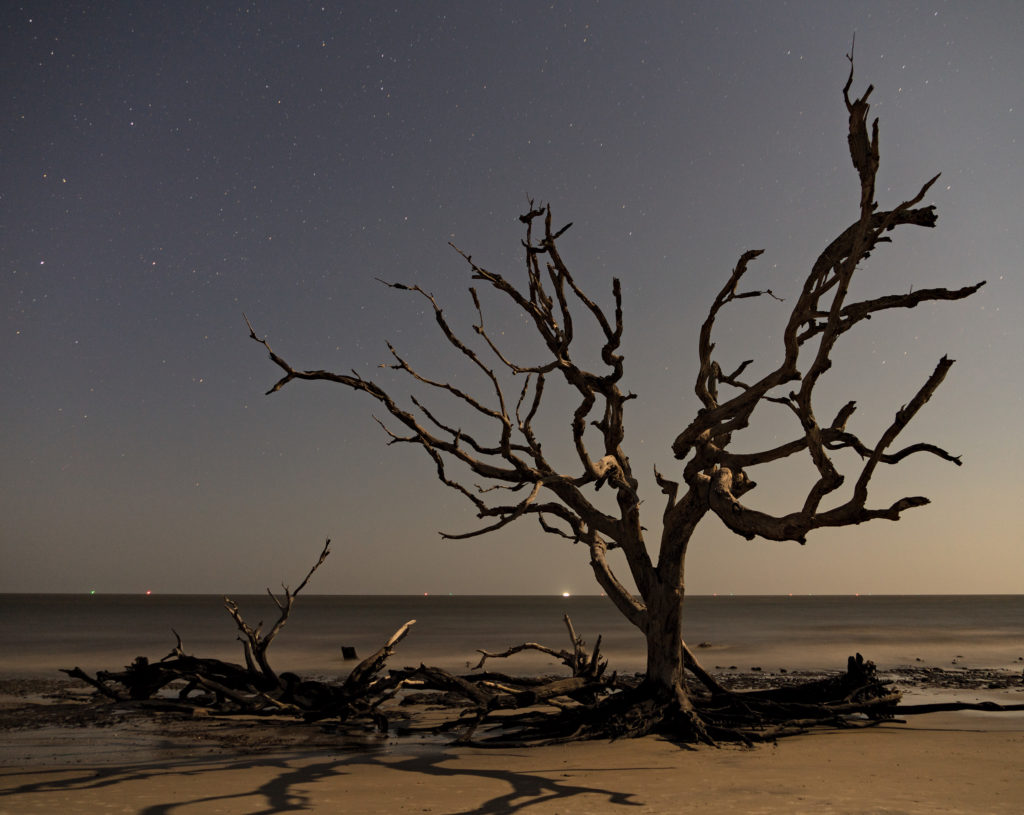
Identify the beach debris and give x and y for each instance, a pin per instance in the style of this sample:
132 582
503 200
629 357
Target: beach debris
495 709
255 687
578 660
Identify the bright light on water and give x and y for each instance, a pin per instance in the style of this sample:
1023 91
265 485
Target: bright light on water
565 594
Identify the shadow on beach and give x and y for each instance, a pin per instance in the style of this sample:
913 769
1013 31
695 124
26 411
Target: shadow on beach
942 762
69 755
278 783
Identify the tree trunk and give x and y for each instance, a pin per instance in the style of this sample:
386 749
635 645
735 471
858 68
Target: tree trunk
664 639
665 685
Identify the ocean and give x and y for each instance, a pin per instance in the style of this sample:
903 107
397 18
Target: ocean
41 633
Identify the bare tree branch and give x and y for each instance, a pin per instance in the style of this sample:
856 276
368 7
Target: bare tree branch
255 643
715 471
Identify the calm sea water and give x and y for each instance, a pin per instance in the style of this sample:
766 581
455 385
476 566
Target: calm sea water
41 633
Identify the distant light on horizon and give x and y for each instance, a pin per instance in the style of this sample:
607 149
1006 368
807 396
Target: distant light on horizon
565 594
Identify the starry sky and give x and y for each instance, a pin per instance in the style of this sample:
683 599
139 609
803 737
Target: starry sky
166 166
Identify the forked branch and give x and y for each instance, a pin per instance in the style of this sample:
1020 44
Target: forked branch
254 642
821 314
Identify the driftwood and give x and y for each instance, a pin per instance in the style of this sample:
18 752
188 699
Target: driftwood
255 687
578 660
494 709
255 643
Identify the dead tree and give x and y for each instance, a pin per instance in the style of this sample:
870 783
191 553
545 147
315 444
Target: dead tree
254 687
496 709
255 642
711 477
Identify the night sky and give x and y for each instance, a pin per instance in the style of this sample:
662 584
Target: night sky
165 166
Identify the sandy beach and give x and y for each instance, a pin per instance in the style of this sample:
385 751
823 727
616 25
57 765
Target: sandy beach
965 762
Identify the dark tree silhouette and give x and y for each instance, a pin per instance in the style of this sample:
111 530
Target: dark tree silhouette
711 478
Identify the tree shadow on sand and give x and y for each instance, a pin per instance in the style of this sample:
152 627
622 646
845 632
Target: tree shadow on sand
291 787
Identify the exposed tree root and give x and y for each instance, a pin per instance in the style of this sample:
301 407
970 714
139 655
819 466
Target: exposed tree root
491 709
486 708
496 709
623 709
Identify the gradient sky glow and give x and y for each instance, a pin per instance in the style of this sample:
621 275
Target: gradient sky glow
166 165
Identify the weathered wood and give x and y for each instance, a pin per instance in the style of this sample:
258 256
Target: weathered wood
255 642
375 662
579 660
99 685
501 710
504 456
712 479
